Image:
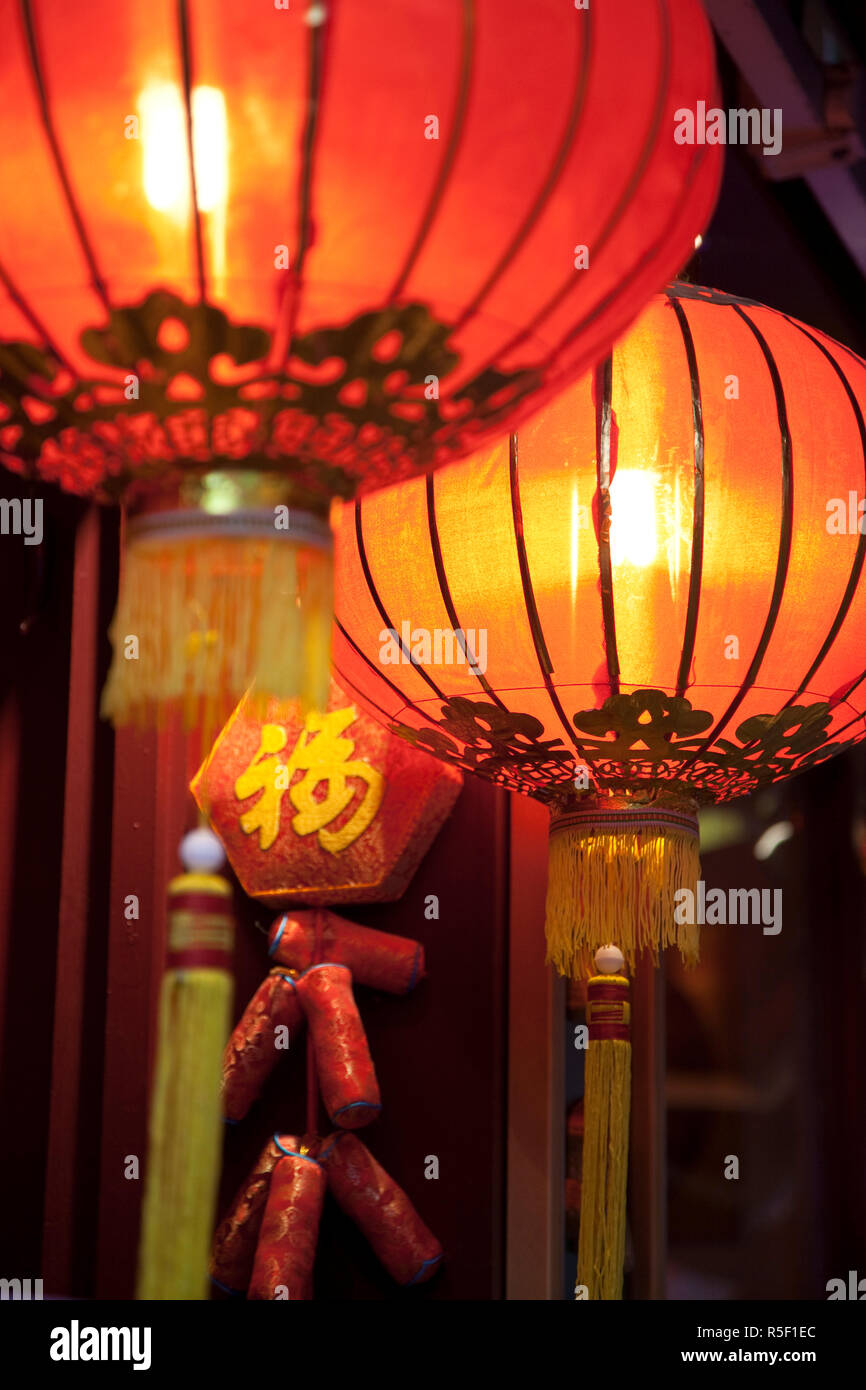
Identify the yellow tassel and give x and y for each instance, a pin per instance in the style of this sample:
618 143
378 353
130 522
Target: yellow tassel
607 1098
186 1127
198 620
226 581
612 876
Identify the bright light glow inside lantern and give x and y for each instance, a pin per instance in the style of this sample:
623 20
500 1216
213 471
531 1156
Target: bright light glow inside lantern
633 529
164 148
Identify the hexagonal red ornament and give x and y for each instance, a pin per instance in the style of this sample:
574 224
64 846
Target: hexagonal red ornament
328 809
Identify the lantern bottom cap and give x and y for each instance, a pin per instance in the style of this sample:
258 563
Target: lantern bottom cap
613 876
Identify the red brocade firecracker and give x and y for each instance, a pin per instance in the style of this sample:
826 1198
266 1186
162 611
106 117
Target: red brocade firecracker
251 1053
286 1250
281 1005
234 1245
377 959
347 1077
382 1211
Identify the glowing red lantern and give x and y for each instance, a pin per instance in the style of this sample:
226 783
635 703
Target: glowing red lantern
252 257
650 597
658 579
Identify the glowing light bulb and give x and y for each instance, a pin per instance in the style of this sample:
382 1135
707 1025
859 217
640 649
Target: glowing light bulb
164 142
633 530
210 147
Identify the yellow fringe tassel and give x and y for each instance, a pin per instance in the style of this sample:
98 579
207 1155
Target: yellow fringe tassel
618 887
198 620
607 1098
186 1126
186 1130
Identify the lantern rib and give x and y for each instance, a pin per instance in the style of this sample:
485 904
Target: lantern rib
447 598
860 552
628 193
347 681
449 154
32 318
551 179
858 718
785 535
532 613
98 284
383 614
22 373
598 309
697 561
186 73
377 671
295 283
603 422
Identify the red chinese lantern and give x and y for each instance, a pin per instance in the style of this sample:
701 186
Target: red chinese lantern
648 598
253 257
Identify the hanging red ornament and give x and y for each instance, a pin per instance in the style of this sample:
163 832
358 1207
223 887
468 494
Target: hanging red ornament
323 808
252 258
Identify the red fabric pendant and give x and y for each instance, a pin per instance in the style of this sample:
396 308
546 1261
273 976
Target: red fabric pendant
329 808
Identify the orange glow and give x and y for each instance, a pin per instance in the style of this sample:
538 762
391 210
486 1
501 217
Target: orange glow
380 250
704 635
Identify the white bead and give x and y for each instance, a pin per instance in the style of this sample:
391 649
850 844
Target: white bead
316 15
201 852
609 960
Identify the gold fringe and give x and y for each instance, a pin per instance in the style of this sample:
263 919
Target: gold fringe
186 1131
617 887
211 616
607 1100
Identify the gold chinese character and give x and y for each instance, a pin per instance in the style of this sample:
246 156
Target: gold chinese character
323 757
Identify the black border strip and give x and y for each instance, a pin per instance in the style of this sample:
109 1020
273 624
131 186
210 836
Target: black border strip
697 562
449 154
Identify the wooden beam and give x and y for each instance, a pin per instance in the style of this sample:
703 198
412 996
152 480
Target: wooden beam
536 1061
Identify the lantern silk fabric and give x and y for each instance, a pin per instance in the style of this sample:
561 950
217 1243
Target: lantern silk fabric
338 240
659 577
